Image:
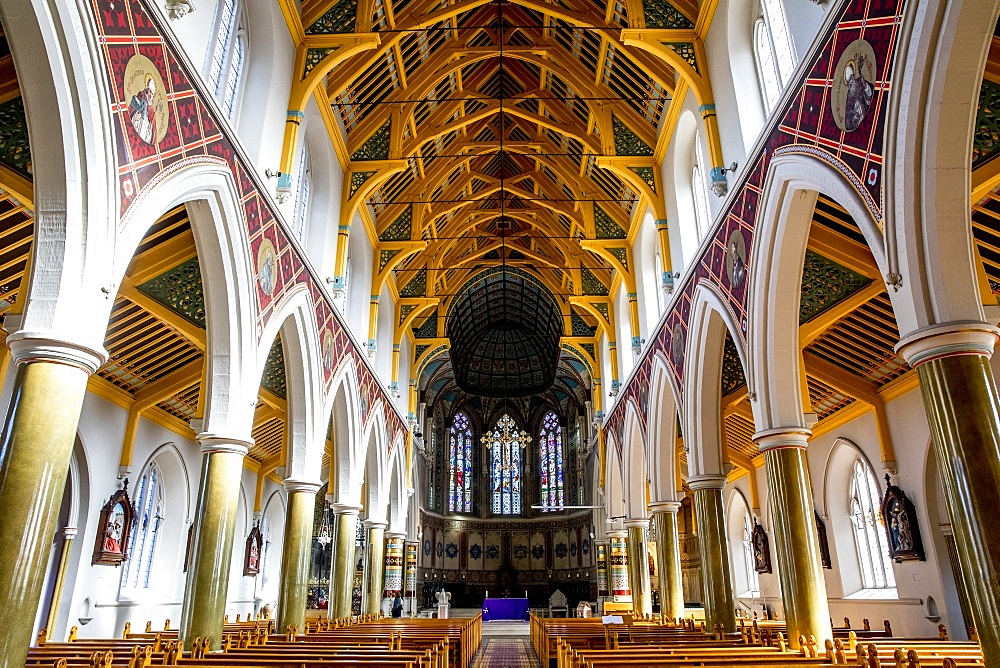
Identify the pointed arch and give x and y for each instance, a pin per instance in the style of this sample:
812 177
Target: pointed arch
709 322
343 410
634 470
661 431
784 218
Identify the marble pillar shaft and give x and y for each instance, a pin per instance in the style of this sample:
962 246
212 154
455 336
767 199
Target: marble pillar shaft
796 542
374 570
212 548
35 450
411 569
618 574
343 566
713 548
962 404
668 554
296 551
638 571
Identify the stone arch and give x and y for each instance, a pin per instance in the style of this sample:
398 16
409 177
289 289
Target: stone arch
294 318
708 323
791 188
376 466
208 190
614 486
927 202
344 410
397 493
168 452
661 431
634 470
73 164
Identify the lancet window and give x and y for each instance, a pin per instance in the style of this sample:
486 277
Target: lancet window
148 518
460 465
505 443
869 537
550 447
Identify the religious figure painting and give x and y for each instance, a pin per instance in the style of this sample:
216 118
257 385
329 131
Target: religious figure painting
251 557
267 267
114 529
900 520
147 107
853 85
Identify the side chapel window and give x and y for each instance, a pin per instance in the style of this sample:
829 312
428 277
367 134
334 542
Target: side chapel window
551 463
869 538
460 465
145 531
752 580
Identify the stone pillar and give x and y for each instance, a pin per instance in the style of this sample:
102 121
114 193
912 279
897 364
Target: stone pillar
961 400
35 450
374 566
296 551
668 556
410 587
212 546
638 566
342 566
713 548
393 564
602 567
619 563
69 534
796 542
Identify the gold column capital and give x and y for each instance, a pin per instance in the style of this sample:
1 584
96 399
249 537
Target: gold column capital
665 506
782 437
962 337
707 481
27 346
297 485
211 443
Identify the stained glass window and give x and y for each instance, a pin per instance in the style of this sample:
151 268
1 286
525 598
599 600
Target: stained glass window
869 538
460 465
505 444
228 55
551 463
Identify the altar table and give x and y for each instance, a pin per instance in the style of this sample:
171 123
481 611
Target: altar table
505 608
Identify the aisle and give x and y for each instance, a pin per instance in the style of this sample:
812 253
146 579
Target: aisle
506 645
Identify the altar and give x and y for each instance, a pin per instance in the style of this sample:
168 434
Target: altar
505 608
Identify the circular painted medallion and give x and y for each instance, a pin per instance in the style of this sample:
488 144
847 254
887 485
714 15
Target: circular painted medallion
853 85
147 99
328 351
736 259
267 266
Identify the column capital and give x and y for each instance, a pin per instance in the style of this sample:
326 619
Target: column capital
345 509
620 534
217 443
636 523
298 485
396 535
963 337
665 506
601 542
707 481
782 437
375 524
412 542
69 533
26 347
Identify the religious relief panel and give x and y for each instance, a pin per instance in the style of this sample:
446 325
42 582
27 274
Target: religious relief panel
900 521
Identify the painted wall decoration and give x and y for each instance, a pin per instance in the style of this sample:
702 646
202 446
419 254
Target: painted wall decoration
164 124
837 115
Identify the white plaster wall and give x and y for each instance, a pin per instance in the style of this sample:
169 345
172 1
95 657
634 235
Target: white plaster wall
602 345
804 20
360 283
626 360
194 31
647 275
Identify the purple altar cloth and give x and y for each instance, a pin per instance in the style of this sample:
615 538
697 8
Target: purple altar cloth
505 608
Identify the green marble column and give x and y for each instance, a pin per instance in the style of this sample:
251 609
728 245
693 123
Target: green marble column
713 547
296 550
374 566
668 557
961 400
35 449
638 567
796 543
212 545
342 568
